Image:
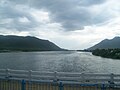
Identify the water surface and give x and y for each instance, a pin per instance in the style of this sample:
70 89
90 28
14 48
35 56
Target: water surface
62 61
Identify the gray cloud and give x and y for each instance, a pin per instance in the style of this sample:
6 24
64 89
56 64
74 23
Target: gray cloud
13 13
90 2
71 14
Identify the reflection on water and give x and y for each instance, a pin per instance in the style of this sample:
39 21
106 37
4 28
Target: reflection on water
62 61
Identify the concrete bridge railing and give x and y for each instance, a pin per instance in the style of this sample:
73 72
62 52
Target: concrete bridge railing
39 80
60 76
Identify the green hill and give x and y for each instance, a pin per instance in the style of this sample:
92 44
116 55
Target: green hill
28 43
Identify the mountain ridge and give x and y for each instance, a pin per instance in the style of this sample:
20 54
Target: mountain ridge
26 43
107 44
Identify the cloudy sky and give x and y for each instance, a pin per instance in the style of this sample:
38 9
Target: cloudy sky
71 24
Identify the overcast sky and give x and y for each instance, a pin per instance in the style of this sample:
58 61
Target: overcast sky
71 24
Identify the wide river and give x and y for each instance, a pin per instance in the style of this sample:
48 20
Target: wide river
62 61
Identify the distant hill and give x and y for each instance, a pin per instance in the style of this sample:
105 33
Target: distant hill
107 44
28 43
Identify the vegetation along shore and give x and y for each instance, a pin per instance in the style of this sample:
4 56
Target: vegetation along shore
107 53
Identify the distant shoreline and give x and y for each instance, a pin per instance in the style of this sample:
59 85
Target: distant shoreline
2 51
107 53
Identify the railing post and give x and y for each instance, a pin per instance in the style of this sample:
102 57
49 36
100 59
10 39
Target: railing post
29 75
55 76
112 77
29 79
111 82
82 77
61 86
103 87
7 73
23 86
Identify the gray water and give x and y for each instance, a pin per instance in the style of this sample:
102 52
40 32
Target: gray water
62 61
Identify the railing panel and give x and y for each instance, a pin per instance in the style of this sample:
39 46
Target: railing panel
41 86
10 84
6 84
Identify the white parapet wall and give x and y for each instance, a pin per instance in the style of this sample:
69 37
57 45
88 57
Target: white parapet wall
65 77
